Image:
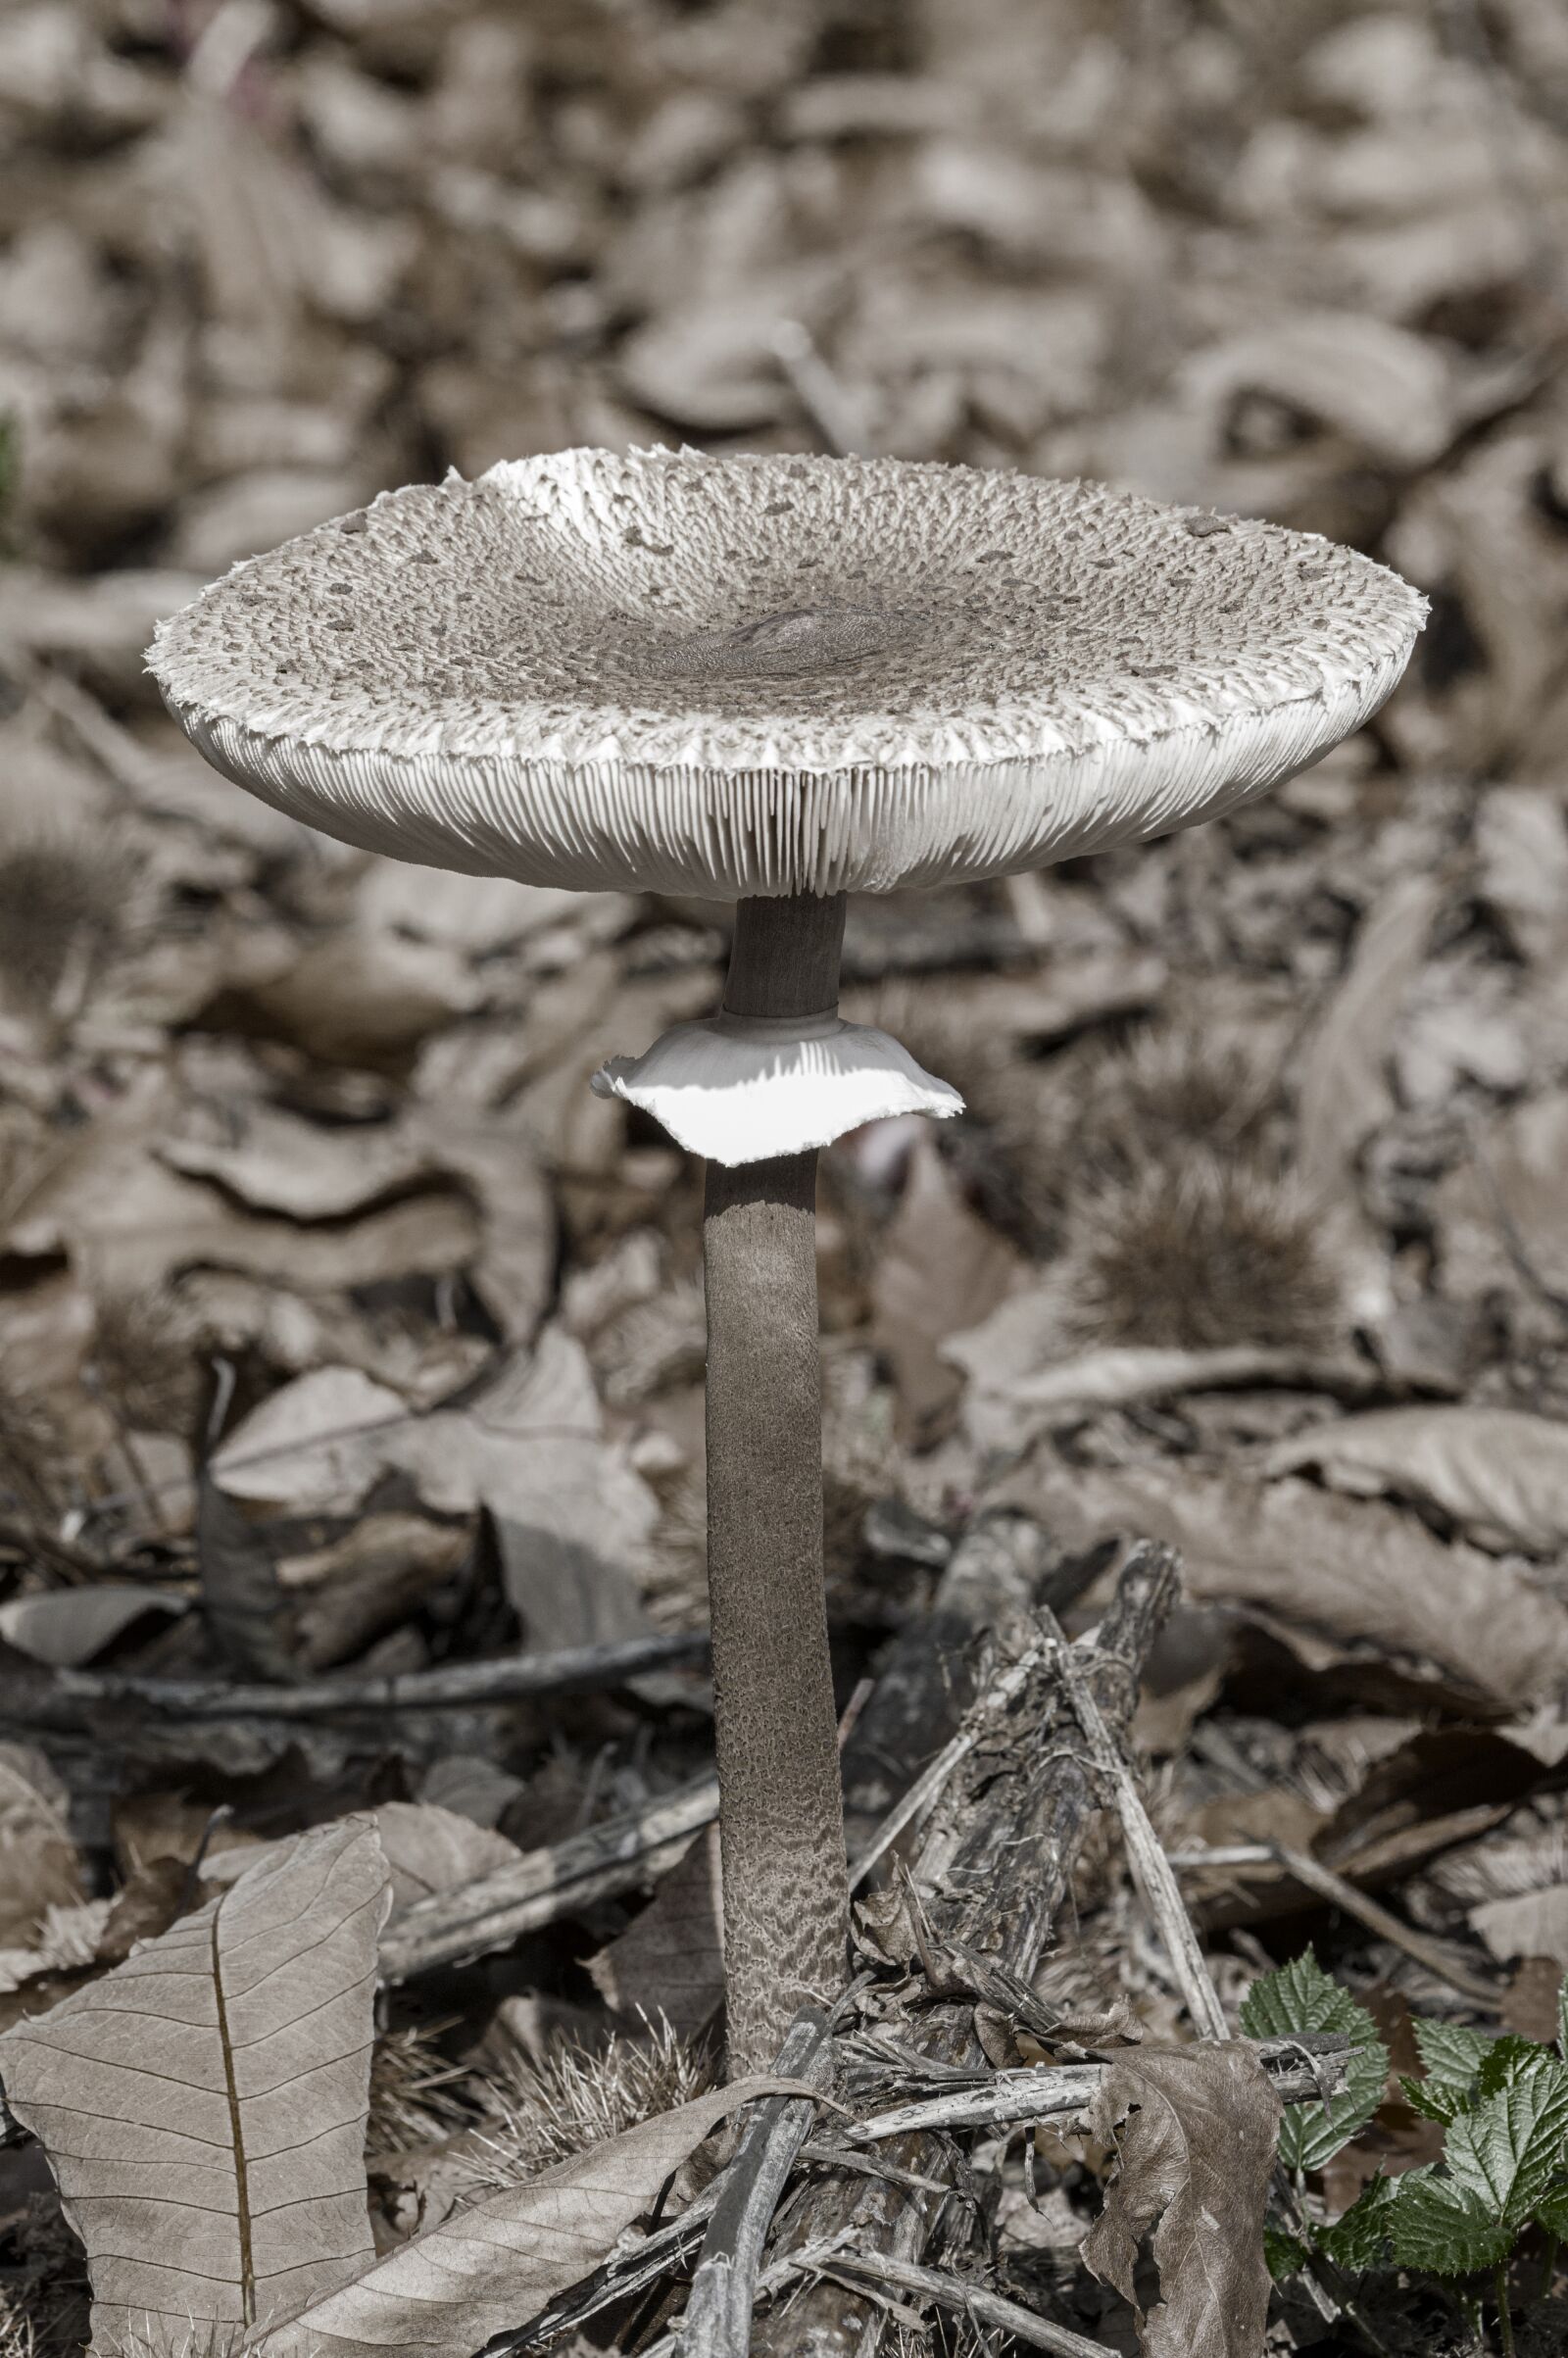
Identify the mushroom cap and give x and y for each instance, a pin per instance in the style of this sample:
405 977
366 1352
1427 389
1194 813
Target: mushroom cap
765 675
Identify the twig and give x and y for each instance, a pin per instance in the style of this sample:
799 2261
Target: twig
992 1869
74 1696
929 1783
1152 1869
927 1677
951 2292
1299 2068
545 1885
1156 1879
1343 1896
723 2293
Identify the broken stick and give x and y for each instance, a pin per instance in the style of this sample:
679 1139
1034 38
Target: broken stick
995 1864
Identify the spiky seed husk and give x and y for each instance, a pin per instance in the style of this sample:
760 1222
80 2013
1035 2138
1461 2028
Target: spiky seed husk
143 1351
62 903
579 2096
1197 1256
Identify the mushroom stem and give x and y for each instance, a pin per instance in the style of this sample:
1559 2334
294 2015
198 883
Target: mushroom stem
781 1810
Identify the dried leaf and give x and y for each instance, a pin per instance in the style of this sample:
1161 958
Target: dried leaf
1343 1090
940 1270
489 2268
203 2107
1501 1475
1194 2130
428 1850
670 1959
40 1868
1321 1567
68 1627
243 1602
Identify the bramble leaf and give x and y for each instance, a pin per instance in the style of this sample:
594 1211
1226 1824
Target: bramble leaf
1435 2099
1358 2241
1502 2161
1285 2253
1452 2054
1509 2150
1510 2060
1302 1996
1438 2226
1552 2211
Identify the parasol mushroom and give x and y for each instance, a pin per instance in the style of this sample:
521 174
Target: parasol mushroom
775 680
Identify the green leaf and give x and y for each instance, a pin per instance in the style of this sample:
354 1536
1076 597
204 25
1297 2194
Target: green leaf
1502 2162
1552 2211
1562 2018
1358 2241
1509 2060
1302 1996
1509 2150
1286 2254
1435 2100
1438 2226
1452 2054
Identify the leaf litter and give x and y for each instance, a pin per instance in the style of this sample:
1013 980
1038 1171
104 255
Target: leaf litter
342 1331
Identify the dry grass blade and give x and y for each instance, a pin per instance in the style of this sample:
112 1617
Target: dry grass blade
203 2106
1152 1869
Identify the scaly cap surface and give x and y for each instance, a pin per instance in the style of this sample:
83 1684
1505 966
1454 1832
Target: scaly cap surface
775 674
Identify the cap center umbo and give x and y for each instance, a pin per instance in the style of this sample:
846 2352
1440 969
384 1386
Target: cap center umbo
799 639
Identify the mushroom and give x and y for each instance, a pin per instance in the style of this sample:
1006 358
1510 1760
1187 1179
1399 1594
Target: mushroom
774 681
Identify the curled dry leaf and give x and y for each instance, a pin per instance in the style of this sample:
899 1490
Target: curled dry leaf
1020 1383
1499 1473
68 1627
1343 1090
1196 2129
203 2106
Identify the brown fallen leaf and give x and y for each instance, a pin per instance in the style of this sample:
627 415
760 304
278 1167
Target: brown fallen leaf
40 1867
1350 1571
1499 1473
69 1627
203 2106
941 1268
1195 2130
1343 1090
494 2264
1506 1204
428 1850
530 1446
670 1959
